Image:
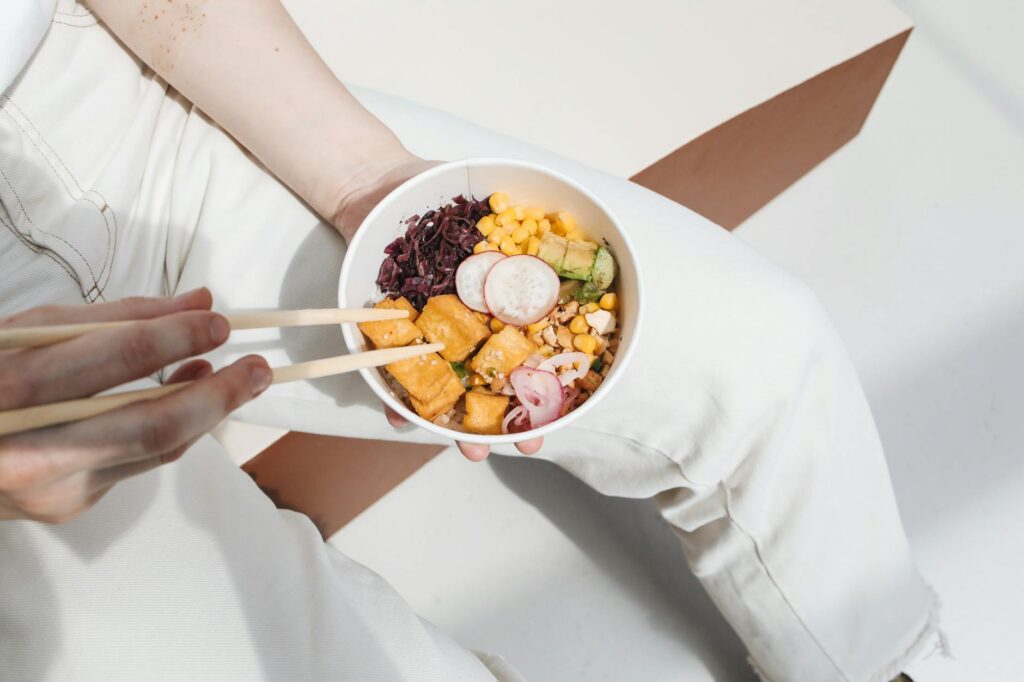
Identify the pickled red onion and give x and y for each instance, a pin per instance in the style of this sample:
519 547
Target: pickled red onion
516 417
540 393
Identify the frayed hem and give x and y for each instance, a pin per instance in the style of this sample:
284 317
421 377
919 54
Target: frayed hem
929 641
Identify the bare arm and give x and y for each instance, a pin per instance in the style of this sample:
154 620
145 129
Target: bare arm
246 64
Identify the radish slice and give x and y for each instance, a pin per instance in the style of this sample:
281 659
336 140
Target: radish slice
539 392
579 362
521 290
469 279
516 420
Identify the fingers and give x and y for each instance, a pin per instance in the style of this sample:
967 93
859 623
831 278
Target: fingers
395 419
134 308
531 446
97 361
149 429
474 452
190 371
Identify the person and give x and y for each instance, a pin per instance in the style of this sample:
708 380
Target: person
160 156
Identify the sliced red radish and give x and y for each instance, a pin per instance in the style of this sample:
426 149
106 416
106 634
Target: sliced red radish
539 392
578 364
516 420
521 290
469 278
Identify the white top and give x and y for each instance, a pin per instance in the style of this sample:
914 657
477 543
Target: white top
23 24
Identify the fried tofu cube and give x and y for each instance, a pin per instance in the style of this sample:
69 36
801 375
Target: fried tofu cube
442 402
446 320
423 376
502 353
393 333
485 412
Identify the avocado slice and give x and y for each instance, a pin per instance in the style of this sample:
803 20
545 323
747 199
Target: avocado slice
579 260
552 250
604 269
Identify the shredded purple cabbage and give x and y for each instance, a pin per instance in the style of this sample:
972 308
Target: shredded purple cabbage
422 263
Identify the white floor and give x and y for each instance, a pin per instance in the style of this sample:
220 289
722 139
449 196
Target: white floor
913 237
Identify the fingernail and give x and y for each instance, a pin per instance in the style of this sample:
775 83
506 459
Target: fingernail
187 294
260 377
219 329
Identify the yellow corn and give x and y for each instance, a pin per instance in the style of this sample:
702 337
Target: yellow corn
543 225
579 325
496 325
533 246
538 326
530 225
497 235
498 202
585 343
567 220
535 213
520 212
477 380
590 307
505 217
558 228
520 235
509 247
609 302
484 245
486 225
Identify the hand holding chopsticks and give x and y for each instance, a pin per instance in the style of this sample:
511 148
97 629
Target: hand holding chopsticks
38 416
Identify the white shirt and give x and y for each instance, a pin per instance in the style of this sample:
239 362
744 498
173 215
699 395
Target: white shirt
23 24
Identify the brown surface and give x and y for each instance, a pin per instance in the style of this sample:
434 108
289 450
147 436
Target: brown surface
732 170
332 480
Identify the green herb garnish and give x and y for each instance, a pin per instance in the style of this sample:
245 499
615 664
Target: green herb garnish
597 364
460 369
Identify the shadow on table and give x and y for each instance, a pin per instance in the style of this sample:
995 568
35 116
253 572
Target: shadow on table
632 544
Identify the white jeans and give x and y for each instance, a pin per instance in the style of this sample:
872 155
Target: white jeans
741 415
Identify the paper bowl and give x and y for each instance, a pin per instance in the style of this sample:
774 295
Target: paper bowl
528 184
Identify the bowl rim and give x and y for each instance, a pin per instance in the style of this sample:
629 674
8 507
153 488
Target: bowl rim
354 340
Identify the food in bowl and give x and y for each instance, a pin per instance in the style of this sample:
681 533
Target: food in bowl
523 301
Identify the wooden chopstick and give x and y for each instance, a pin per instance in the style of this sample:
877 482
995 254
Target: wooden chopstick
38 416
26 337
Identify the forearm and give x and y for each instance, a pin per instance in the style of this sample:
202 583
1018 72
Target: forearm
246 64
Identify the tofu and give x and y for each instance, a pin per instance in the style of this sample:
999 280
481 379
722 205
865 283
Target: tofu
485 412
423 376
393 333
446 320
442 402
502 353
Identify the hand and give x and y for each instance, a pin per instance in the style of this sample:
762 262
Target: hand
54 474
356 203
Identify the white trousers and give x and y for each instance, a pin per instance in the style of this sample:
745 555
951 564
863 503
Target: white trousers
741 415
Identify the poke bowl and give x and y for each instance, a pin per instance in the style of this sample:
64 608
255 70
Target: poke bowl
526 277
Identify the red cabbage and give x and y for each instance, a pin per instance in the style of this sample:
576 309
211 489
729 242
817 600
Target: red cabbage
422 263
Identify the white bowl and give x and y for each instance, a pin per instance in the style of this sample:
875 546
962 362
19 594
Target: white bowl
526 183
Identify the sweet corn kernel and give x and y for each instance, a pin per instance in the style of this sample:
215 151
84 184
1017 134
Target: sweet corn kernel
531 225
535 213
543 225
585 343
567 220
609 302
520 235
537 326
579 325
496 325
533 246
509 247
486 225
497 235
591 308
505 217
484 245
498 202
520 212
477 380
558 227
